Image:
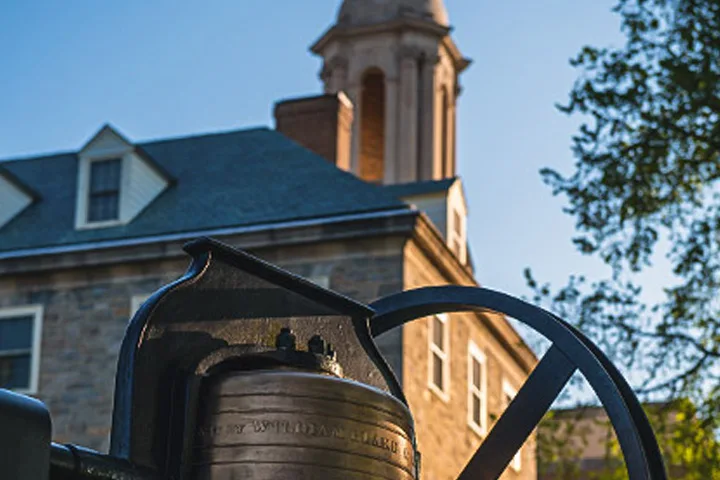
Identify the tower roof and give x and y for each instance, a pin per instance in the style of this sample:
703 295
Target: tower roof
366 12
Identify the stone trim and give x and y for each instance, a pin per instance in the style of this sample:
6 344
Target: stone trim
341 32
430 241
383 223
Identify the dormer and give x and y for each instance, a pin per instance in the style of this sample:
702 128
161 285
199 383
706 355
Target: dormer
116 181
443 201
14 197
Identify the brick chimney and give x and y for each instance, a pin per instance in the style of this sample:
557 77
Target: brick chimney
321 124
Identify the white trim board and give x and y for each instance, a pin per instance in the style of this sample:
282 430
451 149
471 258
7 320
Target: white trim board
37 312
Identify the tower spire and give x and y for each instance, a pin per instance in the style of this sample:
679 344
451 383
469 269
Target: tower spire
399 66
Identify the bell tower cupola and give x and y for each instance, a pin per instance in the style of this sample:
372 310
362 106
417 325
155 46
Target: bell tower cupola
397 63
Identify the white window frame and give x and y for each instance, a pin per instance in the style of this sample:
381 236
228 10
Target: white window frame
509 391
477 355
321 274
81 213
37 312
136 302
444 354
321 281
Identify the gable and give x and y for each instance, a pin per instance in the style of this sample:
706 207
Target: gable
443 201
106 142
137 181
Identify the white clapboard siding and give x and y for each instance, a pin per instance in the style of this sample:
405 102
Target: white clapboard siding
142 185
435 207
12 200
441 208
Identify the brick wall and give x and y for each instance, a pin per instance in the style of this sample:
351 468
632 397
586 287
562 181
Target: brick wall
372 127
321 124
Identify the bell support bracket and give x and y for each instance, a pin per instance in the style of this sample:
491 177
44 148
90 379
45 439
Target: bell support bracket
571 351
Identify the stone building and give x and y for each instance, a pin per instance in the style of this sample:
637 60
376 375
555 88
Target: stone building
355 189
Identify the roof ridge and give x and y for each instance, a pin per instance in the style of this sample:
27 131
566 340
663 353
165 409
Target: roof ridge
41 156
201 135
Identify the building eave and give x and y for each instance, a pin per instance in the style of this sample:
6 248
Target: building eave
138 249
461 62
339 32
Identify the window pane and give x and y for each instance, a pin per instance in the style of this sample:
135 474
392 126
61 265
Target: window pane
438 379
438 332
103 206
476 374
105 176
15 372
16 333
476 409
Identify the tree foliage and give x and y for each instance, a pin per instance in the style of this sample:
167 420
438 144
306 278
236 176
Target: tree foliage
647 181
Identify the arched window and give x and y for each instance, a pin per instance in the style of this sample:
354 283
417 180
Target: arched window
445 134
372 127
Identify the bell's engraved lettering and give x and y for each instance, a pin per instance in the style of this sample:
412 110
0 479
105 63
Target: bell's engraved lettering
329 428
234 428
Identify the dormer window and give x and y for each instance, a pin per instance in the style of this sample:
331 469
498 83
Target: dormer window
103 202
116 181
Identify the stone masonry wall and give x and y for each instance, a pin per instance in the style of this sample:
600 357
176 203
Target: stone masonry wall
86 313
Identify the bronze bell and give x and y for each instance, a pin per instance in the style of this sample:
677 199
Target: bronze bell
289 424
290 415
213 386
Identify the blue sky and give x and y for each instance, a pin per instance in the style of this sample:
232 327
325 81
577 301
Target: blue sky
173 67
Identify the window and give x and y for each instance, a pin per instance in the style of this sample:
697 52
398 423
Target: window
103 202
115 181
508 393
439 368
20 348
136 302
477 389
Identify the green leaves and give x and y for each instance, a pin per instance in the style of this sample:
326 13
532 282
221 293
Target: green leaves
648 171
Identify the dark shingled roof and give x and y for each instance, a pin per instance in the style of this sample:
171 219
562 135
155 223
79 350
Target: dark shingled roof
231 179
402 190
